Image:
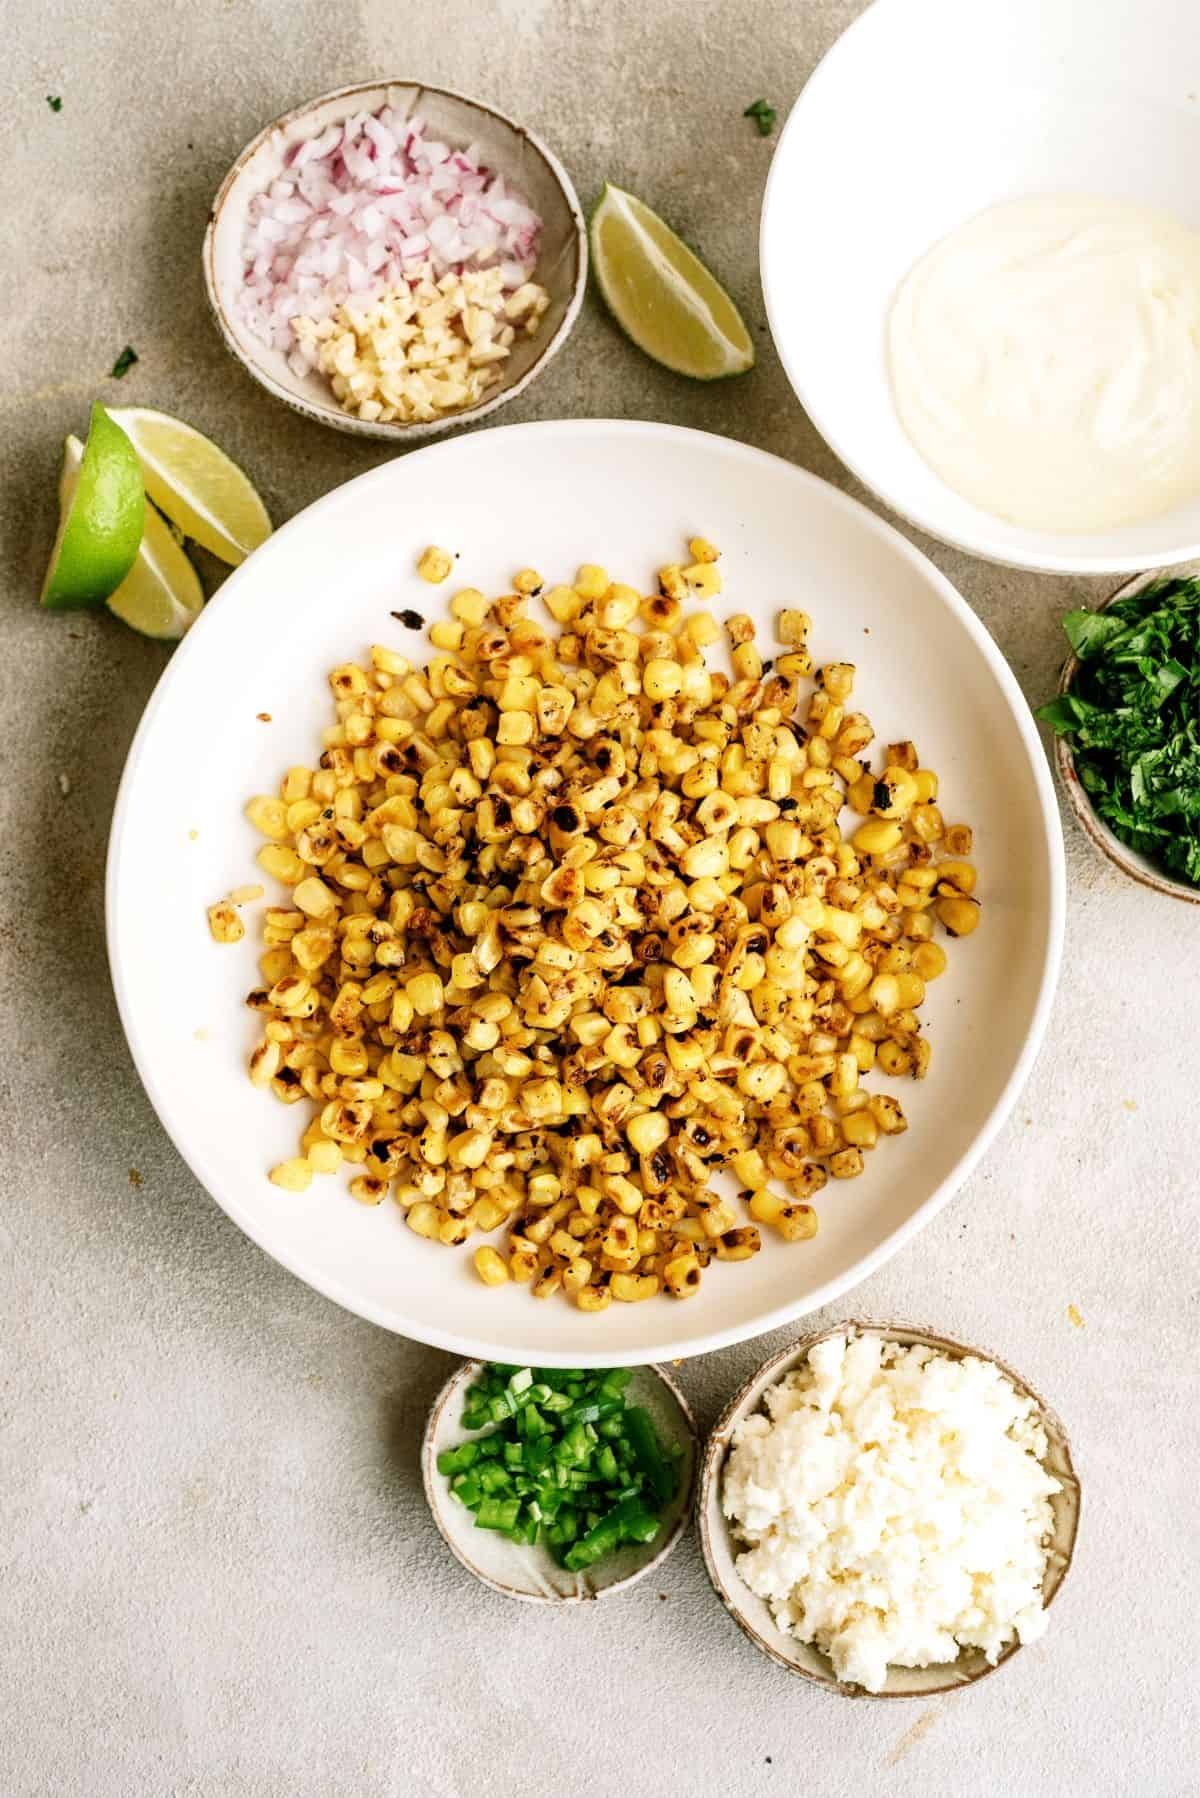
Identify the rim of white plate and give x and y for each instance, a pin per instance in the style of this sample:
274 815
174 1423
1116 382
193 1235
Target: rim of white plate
479 1348
980 545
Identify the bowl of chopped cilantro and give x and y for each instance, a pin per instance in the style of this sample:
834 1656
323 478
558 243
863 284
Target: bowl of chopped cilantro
1127 718
559 1484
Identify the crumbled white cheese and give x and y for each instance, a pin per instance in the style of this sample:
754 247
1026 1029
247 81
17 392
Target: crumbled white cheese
896 1506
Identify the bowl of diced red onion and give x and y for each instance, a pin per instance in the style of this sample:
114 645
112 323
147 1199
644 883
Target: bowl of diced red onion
395 259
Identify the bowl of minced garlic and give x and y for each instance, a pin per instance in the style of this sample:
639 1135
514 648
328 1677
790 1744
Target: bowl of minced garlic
887 1512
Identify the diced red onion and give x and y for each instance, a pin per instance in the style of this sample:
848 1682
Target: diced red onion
362 201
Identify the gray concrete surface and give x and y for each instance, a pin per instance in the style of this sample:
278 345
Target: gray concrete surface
218 1576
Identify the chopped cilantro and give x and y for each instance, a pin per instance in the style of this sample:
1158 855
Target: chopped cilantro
54 102
124 362
764 116
1133 717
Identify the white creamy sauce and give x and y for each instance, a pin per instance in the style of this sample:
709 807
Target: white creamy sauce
1045 361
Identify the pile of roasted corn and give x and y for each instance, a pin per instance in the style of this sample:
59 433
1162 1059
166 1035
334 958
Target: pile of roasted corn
573 927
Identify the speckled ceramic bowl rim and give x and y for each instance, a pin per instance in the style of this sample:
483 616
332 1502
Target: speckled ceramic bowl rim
469 1370
332 414
717 1448
1098 834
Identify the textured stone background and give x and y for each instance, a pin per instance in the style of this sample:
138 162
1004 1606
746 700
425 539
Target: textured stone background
218 1574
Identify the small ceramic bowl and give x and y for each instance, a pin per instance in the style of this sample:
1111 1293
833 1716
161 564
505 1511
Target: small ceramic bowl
752 1614
530 1572
1130 861
507 147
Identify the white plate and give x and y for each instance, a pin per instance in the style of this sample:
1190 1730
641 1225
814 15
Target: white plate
554 495
924 113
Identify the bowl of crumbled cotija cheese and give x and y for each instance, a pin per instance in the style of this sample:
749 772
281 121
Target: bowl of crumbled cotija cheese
394 258
888 1513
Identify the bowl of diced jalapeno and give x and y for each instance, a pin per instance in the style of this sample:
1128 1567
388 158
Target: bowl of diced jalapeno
559 1484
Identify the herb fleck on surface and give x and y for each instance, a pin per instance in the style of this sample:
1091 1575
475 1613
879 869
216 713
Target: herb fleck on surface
124 362
764 116
54 102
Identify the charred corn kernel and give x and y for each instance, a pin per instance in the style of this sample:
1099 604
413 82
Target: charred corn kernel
434 565
925 822
425 994
837 678
703 580
701 550
860 1129
958 875
469 606
895 794
749 1168
647 1131
929 960
911 988
765 1206
877 836
591 581
562 603
662 679
594 1298
927 787
959 916
348 1058
793 626
682 1275
631 1289
282 864
888 1114
893 1060
576 1275
368 1190
294 1176
325 1157
447 633
268 816
717 1215
738 1245
797 1222
959 839
490 1266
884 994
265 1063
247 894
424 1218
224 924
701 627
471 1149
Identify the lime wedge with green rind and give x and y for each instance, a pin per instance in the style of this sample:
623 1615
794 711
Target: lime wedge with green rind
662 295
196 484
161 596
101 513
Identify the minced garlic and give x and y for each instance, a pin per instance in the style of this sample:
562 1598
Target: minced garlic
425 347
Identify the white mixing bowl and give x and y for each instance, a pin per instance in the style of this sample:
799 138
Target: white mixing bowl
924 113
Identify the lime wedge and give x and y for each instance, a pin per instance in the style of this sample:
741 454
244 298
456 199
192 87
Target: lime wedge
101 509
161 595
196 484
661 295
